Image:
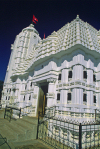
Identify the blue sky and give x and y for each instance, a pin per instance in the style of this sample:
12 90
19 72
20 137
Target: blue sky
52 15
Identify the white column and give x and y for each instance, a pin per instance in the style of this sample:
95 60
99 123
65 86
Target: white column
64 76
78 72
98 100
89 76
89 97
63 96
77 96
51 89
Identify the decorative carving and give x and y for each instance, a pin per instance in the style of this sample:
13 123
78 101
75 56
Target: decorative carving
35 96
51 80
35 83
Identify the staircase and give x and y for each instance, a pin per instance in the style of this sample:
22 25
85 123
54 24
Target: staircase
18 130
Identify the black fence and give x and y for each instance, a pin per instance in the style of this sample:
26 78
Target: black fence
10 111
66 134
3 143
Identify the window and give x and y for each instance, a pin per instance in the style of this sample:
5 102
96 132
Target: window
94 99
69 96
24 98
10 90
58 96
85 74
59 77
25 87
7 90
6 97
85 97
94 78
31 84
70 74
30 97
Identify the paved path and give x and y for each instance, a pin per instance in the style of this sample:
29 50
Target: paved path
9 132
30 144
33 144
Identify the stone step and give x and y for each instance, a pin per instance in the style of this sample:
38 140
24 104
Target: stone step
24 124
30 144
33 120
18 131
22 129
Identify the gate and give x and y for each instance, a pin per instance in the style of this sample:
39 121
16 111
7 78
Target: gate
66 134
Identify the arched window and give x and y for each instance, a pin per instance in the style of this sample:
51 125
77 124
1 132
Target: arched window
24 98
70 74
31 84
58 96
30 97
85 74
59 77
69 97
94 78
85 97
94 99
25 86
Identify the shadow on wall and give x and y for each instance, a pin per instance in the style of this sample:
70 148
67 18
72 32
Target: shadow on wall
1 88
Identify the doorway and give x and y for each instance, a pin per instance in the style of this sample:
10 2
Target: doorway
42 101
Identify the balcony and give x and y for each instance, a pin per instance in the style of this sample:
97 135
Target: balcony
77 83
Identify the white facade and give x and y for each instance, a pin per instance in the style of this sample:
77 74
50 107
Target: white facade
33 73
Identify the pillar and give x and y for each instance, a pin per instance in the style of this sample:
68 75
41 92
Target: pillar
51 92
78 72
89 76
90 98
77 96
63 96
64 76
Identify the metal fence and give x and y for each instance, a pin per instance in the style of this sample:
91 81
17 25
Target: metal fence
66 134
10 111
3 143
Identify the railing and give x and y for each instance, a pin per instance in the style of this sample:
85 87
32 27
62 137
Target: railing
50 112
67 134
77 82
10 111
3 141
97 115
25 110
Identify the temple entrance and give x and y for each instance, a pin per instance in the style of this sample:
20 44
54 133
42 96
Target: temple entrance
42 101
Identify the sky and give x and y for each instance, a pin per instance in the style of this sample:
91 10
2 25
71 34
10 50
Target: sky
51 14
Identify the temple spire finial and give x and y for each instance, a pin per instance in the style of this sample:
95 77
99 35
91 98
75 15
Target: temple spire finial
77 17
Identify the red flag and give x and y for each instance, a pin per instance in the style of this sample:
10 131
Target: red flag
44 35
34 19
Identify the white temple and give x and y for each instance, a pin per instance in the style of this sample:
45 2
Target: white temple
62 70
